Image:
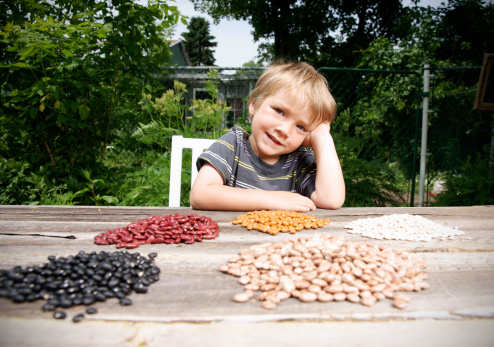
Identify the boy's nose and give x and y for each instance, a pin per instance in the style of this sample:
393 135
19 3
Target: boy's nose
284 128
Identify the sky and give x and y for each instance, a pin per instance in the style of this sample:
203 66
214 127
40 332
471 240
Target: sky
236 45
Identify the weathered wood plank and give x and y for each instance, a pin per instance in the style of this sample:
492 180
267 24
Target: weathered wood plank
476 225
117 213
359 332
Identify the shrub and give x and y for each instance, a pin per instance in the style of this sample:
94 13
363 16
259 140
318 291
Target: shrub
474 186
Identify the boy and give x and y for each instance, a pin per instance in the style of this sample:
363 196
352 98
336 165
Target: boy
291 109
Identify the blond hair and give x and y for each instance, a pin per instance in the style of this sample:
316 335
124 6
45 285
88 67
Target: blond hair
302 79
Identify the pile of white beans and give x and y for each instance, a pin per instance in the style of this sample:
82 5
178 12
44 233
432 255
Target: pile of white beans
402 227
326 268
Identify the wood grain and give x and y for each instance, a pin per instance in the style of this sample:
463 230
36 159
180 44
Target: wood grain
192 290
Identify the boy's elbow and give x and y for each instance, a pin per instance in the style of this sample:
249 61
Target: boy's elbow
329 203
200 200
195 201
333 206
194 204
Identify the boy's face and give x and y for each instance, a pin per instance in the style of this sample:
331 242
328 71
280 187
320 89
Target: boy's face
279 125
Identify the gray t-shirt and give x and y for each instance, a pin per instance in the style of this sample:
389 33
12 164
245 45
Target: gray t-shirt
232 156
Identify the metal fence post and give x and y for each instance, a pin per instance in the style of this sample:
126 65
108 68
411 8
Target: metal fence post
425 123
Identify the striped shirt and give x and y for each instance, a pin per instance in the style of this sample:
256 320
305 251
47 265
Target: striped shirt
232 156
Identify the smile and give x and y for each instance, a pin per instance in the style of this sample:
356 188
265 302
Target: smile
274 140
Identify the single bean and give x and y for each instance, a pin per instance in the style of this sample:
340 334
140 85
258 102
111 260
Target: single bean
353 297
400 303
369 300
132 245
125 238
322 296
269 305
308 297
158 240
187 238
59 315
100 241
243 297
150 231
402 296
339 296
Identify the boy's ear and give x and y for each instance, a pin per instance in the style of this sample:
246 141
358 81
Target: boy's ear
251 109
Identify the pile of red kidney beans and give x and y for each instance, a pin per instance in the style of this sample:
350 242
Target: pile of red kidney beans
188 228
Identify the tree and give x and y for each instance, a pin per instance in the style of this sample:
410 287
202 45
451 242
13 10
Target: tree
72 72
319 31
198 42
465 30
359 22
253 63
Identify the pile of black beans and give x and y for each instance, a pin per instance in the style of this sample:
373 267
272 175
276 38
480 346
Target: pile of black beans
83 279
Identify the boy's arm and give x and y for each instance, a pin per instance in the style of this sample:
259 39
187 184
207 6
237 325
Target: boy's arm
209 193
330 185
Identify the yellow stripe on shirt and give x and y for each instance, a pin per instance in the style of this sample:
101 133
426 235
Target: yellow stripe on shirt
262 178
226 144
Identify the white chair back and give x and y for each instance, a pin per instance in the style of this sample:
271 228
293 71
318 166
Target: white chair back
178 144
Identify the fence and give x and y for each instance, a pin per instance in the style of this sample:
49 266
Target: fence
379 114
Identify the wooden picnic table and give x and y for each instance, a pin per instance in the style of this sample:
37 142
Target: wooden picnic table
192 305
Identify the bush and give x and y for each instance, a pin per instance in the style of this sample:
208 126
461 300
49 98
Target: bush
474 186
368 183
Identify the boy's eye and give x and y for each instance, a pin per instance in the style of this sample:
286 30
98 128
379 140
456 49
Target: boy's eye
277 110
301 127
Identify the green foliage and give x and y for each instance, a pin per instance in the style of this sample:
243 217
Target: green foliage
72 73
474 185
168 108
466 31
91 187
198 42
72 77
385 111
372 184
244 121
167 117
144 185
12 180
208 113
25 186
368 183
44 191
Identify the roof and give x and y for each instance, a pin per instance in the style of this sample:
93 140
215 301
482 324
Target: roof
179 53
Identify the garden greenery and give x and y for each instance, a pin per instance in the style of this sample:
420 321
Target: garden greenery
84 120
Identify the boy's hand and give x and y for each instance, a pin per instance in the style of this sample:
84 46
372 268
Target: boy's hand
318 135
287 201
